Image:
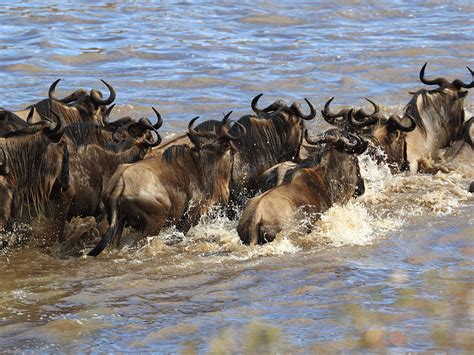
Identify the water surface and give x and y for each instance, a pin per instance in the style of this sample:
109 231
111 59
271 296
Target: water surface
391 270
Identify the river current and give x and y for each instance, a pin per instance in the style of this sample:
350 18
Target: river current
392 270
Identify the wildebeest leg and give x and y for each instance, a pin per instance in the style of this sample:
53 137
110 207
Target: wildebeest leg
429 167
151 217
59 210
154 222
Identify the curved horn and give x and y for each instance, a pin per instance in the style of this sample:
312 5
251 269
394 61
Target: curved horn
52 132
52 88
260 112
351 143
329 116
226 134
376 109
225 120
312 114
145 123
254 104
458 84
365 121
194 133
4 166
98 100
330 136
156 142
106 116
394 120
437 81
159 120
29 119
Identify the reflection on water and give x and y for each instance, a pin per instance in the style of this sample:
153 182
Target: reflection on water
393 269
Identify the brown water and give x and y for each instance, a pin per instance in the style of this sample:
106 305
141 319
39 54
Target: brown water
394 269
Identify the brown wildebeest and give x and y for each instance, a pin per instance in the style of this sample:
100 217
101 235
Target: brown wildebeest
388 134
274 139
273 135
10 122
176 188
34 174
91 166
117 136
77 107
330 176
439 116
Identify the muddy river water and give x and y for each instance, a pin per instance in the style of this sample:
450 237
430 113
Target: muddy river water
393 269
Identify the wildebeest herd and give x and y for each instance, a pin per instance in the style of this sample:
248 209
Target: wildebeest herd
64 157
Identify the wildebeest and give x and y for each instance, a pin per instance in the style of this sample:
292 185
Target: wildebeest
77 107
177 187
389 134
355 122
34 173
439 117
273 135
10 122
268 141
116 136
210 125
91 166
330 176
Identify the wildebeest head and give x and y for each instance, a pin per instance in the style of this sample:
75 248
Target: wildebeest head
293 114
389 134
217 136
127 128
10 122
337 157
79 106
443 105
216 148
386 133
356 121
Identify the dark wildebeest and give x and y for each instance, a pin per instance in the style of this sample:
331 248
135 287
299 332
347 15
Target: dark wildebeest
215 125
176 188
10 122
34 174
355 122
330 176
117 136
77 107
388 134
468 132
91 166
273 135
439 116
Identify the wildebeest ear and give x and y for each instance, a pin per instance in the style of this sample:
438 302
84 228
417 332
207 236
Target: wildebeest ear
396 135
462 94
194 140
232 145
